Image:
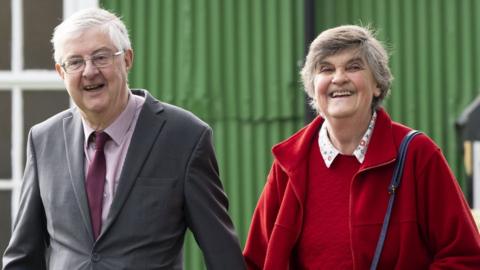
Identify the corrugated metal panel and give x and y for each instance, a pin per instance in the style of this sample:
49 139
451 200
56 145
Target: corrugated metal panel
434 60
233 63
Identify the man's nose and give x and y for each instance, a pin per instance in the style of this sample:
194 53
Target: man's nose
89 69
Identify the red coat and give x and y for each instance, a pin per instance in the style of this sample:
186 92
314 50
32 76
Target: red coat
431 226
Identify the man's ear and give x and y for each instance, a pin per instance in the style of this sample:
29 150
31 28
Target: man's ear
128 56
60 71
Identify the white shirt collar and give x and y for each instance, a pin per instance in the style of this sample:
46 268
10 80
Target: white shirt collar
329 152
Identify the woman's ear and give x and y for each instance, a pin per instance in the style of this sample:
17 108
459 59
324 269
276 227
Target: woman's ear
378 91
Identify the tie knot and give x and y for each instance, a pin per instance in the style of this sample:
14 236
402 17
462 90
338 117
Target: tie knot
100 139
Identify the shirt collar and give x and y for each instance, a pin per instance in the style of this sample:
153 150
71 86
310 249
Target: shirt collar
329 152
119 128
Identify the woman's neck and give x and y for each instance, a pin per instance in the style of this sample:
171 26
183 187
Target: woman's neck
346 133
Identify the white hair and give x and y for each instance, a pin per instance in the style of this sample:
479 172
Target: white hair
87 19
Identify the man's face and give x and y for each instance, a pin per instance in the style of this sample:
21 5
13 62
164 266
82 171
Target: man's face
99 93
345 86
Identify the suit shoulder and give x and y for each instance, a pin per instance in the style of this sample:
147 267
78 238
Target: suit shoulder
52 123
181 115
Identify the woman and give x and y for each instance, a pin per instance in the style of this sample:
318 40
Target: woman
326 195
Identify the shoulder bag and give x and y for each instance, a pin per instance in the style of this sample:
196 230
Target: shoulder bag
392 189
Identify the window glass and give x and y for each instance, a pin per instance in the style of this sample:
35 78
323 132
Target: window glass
39 105
5 134
38 32
5 35
5 220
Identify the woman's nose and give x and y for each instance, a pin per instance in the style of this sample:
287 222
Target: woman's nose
339 77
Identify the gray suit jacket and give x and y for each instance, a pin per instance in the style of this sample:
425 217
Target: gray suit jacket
169 182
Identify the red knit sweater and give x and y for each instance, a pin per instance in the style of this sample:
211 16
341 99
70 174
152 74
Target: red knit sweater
325 239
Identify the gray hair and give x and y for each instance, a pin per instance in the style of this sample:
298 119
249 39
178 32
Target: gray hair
86 19
334 40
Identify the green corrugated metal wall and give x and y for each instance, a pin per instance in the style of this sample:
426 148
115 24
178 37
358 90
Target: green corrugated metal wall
234 64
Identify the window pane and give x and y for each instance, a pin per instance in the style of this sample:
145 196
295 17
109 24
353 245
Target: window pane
5 134
5 220
38 32
5 35
39 105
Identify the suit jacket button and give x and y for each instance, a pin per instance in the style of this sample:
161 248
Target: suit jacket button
96 257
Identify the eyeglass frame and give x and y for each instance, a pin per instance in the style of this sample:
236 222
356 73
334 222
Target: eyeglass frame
91 58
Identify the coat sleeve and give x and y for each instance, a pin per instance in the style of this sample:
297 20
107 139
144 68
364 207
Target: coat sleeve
207 209
29 241
263 220
445 217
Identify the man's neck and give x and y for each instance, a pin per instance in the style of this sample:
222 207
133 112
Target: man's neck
100 121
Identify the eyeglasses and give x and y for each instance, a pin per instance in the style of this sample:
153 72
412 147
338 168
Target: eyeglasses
99 60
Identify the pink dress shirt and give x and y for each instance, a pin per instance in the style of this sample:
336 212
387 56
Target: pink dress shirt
120 132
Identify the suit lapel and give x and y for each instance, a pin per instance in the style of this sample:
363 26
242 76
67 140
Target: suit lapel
74 140
149 124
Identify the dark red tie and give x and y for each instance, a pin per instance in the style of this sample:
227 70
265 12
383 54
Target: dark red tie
96 182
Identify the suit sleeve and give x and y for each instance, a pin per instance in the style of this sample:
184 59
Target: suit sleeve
28 243
446 221
207 209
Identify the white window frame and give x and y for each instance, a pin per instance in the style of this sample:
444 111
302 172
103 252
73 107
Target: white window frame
16 81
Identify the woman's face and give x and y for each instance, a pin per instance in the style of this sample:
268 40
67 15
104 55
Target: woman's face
345 86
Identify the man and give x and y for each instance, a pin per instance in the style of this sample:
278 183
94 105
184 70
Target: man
114 182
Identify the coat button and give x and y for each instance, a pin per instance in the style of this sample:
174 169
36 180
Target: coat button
96 257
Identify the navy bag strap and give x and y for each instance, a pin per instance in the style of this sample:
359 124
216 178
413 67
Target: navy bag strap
394 184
